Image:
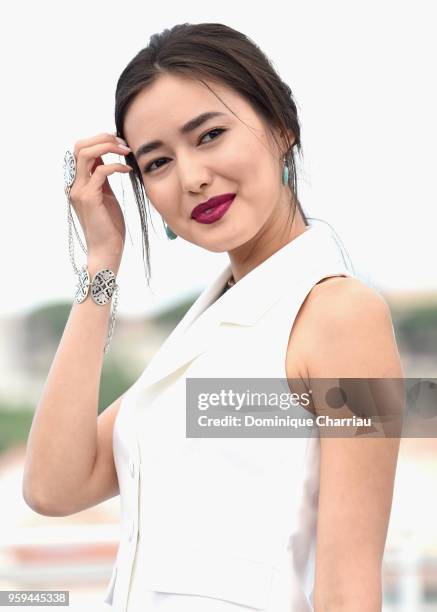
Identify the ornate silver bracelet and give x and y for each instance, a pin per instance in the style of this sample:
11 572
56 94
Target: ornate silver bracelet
103 288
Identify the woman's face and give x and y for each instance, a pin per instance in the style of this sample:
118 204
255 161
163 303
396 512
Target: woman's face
223 155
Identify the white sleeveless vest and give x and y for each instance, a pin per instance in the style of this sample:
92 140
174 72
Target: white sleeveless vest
221 524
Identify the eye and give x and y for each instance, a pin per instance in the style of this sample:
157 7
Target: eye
149 168
219 130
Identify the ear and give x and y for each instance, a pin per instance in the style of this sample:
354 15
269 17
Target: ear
282 146
287 146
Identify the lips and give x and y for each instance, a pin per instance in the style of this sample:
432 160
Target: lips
211 203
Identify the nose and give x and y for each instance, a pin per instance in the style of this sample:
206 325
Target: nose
193 175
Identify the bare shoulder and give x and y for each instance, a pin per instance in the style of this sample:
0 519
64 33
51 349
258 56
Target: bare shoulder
350 331
337 300
343 302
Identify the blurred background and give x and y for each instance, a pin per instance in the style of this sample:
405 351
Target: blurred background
361 75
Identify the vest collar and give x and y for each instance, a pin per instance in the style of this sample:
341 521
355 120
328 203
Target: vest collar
245 302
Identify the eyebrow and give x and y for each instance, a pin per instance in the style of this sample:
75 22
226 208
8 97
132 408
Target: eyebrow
185 129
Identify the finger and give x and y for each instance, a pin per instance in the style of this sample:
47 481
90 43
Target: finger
93 140
98 162
86 160
101 173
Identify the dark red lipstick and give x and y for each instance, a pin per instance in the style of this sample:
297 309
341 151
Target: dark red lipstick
213 209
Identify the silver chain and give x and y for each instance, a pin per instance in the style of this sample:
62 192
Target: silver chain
77 271
75 229
112 319
70 237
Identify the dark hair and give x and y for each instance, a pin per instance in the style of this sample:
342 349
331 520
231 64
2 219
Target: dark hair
220 54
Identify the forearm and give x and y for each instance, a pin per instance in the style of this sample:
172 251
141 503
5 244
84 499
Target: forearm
357 604
62 442
359 595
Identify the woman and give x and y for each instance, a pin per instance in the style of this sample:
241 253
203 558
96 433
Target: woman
219 523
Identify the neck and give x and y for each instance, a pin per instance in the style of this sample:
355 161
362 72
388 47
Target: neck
269 239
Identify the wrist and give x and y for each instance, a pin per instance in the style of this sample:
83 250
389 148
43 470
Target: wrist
95 263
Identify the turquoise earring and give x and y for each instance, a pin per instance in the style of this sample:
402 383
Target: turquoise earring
285 172
170 234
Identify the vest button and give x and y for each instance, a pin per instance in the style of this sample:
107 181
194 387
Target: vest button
132 467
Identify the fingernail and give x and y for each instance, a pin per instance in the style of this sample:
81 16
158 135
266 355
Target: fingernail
122 146
120 140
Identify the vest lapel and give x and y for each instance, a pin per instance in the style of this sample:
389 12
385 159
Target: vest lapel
243 304
191 336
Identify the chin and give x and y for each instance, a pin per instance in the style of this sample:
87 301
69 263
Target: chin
216 246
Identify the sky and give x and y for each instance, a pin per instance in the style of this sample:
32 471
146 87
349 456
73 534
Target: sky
361 76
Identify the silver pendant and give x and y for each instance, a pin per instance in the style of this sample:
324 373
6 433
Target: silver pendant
69 170
82 285
103 286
